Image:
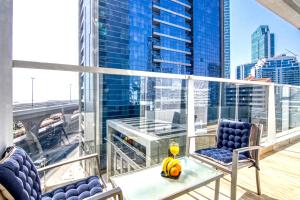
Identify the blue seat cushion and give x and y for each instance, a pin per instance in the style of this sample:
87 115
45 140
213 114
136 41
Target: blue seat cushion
222 156
233 135
19 175
76 191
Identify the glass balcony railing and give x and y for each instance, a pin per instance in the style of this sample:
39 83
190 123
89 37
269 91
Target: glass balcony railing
287 101
130 117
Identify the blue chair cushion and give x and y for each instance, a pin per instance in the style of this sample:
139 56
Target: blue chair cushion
76 191
233 135
19 175
222 156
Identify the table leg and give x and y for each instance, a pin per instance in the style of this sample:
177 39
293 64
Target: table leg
217 189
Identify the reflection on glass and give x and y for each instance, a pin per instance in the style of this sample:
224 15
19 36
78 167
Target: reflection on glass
48 127
134 142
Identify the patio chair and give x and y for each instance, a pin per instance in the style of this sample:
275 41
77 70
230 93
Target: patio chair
237 146
19 180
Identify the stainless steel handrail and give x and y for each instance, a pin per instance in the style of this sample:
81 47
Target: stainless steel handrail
112 71
75 160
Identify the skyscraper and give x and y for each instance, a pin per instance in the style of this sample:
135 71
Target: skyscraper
281 69
227 39
262 43
170 36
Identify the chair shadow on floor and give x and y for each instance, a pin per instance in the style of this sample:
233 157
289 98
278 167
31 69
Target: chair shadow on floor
249 195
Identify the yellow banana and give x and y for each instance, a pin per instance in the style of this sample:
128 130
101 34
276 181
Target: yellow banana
171 164
165 164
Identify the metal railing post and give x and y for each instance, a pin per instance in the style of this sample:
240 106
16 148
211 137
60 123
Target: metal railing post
285 108
271 115
190 112
237 102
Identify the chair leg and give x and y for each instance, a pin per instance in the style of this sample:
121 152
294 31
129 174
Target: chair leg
258 181
120 196
257 174
233 185
234 171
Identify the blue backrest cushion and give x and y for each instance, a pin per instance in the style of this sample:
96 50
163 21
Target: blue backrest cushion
233 135
19 176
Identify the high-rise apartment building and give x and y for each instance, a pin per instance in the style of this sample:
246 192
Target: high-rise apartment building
170 36
262 43
281 69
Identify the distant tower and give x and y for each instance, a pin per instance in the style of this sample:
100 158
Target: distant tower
262 43
281 69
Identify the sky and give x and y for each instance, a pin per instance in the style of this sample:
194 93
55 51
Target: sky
246 16
47 31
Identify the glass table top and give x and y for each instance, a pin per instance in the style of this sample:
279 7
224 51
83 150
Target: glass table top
150 127
148 183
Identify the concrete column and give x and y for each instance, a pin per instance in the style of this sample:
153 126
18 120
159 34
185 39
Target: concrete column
6 135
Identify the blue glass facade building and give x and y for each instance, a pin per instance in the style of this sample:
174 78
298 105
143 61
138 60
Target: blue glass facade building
262 43
169 36
207 38
227 39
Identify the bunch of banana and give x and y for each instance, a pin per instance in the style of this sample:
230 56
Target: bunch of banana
171 167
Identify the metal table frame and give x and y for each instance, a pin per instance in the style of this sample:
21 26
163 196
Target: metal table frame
125 126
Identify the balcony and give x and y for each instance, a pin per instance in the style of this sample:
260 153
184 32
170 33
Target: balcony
126 119
186 27
157 7
161 106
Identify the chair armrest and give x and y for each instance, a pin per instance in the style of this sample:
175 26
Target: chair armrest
95 155
108 194
240 150
236 152
67 162
196 136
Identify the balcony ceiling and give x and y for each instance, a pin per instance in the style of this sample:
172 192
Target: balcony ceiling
287 9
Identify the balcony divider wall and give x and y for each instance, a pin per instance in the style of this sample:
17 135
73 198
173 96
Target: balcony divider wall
6 10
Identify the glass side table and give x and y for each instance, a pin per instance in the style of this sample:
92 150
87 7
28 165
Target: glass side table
148 184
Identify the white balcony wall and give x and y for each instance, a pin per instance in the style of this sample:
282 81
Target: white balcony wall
6 73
